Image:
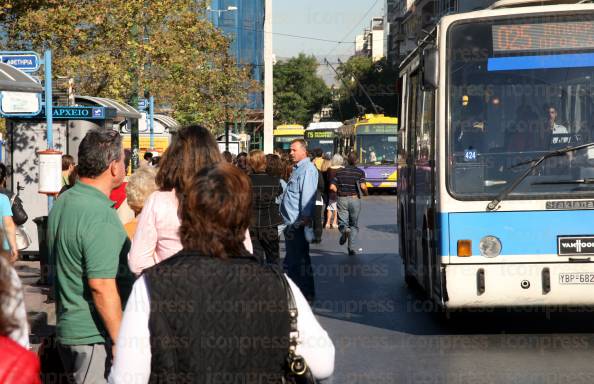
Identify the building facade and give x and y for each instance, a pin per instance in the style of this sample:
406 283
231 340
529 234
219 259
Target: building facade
407 19
371 42
242 21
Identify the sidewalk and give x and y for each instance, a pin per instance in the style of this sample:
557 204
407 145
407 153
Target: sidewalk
42 315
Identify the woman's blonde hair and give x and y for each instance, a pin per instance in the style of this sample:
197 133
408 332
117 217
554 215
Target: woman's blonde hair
140 185
257 161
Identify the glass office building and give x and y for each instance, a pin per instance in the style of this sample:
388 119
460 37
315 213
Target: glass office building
243 22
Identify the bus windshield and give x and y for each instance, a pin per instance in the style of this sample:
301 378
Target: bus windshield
376 144
323 139
518 89
284 142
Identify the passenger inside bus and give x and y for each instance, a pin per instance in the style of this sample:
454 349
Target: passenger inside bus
372 156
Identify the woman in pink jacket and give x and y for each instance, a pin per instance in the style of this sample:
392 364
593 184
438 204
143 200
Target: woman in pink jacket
157 233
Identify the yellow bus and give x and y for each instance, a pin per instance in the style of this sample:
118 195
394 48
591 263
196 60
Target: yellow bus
284 134
373 137
161 144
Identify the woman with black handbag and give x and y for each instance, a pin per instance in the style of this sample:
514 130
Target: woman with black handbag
220 316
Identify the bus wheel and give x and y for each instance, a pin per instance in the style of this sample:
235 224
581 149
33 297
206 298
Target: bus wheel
408 278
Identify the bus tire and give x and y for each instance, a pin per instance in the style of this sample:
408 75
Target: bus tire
409 279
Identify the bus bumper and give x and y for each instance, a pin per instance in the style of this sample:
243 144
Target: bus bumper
517 285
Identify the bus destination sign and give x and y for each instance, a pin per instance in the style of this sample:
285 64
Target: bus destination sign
376 129
560 36
319 134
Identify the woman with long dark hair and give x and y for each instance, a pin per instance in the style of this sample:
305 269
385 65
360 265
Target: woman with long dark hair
157 232
221 316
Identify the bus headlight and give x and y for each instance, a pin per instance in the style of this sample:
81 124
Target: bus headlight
490 246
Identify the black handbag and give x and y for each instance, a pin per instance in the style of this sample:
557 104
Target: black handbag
19 216
296 369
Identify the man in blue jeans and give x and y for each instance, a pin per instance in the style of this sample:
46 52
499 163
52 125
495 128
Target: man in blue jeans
349 185
297 209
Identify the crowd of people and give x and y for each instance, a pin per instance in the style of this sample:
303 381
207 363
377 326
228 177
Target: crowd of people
172 273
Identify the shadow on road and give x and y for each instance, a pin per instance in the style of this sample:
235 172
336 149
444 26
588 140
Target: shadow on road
383 228
369 290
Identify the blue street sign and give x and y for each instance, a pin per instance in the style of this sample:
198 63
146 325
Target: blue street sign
26 61
142 104
79 113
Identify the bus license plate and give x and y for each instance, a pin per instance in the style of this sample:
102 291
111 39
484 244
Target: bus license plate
576 278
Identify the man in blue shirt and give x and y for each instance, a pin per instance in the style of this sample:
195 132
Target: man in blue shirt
297 209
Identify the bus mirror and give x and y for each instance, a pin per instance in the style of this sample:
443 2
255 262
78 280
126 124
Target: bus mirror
430 68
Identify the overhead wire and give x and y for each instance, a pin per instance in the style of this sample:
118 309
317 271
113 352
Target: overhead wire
354 27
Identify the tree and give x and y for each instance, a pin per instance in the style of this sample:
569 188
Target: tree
379 80
122 48
298 91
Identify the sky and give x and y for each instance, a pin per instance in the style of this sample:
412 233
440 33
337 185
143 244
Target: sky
338 20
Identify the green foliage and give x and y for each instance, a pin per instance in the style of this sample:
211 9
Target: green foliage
379 80
122 48
298 91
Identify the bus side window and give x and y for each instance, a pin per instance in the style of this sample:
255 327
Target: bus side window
412 123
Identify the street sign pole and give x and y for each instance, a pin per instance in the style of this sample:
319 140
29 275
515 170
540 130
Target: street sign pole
47 58
152 121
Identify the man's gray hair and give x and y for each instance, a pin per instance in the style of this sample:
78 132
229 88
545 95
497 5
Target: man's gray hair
97 150
302 142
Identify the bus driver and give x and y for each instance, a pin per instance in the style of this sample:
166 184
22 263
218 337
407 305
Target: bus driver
554 130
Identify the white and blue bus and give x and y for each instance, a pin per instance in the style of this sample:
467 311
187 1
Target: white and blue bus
496 157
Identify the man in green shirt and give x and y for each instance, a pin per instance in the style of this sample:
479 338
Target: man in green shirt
89 247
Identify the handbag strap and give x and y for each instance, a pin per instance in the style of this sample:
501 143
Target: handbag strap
293 331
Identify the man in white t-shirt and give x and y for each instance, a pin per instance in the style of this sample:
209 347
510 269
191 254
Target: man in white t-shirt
556 129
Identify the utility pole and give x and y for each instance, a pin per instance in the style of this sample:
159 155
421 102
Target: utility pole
268 78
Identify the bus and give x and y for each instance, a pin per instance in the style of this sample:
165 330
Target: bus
373 137
284 134
496 157
163 129
322 135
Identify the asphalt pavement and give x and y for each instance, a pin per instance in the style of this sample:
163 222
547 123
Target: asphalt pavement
385 332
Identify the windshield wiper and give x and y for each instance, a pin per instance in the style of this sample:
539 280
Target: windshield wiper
535 163
577 181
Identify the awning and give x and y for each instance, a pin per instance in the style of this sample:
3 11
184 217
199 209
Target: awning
122 109
15 80
167 121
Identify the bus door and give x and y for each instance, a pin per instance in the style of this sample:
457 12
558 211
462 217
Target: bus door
408 187
424 179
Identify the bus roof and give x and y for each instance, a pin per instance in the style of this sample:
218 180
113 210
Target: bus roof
324 125
289 126
288 130
376 119
526 3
